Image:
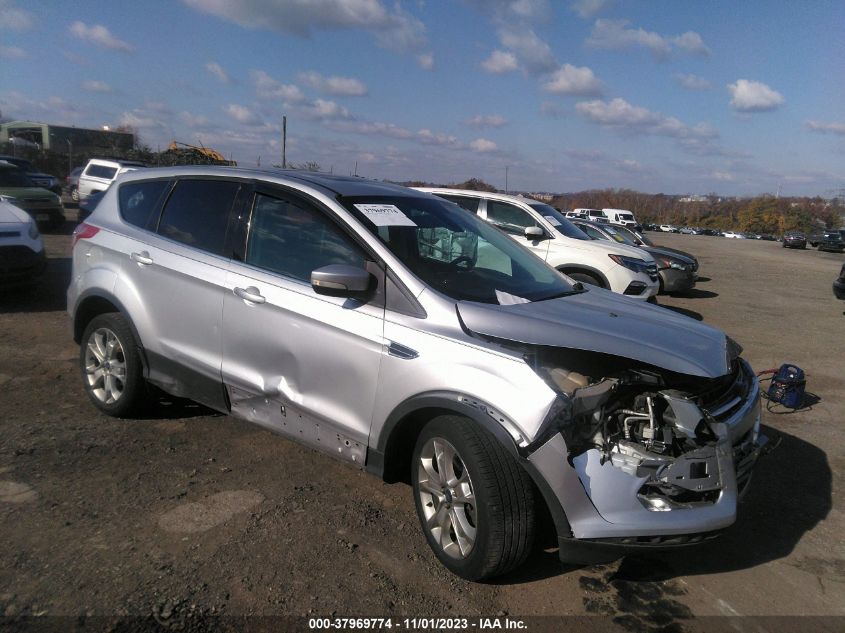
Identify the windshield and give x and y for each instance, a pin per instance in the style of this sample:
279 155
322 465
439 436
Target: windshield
627 216
620 235
559 221
456 253
14 178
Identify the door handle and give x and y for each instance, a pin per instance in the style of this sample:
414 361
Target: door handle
142 258
250 294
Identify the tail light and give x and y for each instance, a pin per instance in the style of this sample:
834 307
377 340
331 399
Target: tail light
84 232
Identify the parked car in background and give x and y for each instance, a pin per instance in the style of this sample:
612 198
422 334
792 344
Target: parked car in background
100 173
667 228
794 239
830 241
734 235
552 237
72 183
44 206
766 237
642 240
677 273
620 216
22 258
87 206
45 181
839 284
408 337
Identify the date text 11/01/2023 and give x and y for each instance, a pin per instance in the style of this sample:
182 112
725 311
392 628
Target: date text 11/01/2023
417 624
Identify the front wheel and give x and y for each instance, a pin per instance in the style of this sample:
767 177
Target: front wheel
474 501
586 278
111 366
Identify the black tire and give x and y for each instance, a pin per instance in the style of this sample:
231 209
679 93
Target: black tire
503 512
130 383
586 278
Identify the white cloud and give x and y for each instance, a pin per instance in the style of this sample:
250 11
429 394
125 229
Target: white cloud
534 54
692 43
589 8
268 88
13 18
621 115
217 70
616 35
693 82
500 62
93 85
826 128
242 114
324 110
12 52
344 86
99 35
753 96
487 120
572 80
193 120
483 145
425 61
139 119
393 29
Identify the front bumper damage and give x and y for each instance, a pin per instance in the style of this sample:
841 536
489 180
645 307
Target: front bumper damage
614 505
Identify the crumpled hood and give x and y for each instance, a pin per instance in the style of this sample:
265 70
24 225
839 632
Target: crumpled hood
601 321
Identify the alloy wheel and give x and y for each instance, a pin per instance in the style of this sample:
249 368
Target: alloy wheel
105 366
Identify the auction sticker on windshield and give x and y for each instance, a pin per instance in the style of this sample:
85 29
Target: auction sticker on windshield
385 215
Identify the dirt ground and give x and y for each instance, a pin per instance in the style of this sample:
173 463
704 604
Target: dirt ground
190 513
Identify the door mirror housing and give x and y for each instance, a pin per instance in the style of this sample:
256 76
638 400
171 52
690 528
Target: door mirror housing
535 233
340 280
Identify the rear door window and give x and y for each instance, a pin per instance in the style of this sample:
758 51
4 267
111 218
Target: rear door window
101 171
470 204
197 213
138 200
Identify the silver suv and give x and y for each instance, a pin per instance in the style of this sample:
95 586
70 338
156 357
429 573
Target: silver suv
394 331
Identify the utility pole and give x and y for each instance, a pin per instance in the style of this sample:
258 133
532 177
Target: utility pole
69 155
284 140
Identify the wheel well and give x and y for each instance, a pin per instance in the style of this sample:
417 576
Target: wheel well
586 271
399 448
87 310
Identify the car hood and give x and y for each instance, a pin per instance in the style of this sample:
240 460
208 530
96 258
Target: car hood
10 214
38 193
674 251
659 251
607 246
601 321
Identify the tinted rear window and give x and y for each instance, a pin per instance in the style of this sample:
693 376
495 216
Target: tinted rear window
197 213
138 200
101 171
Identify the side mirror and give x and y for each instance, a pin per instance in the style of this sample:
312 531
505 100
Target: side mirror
535 233
340 280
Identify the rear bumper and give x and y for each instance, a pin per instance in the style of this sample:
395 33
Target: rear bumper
839 288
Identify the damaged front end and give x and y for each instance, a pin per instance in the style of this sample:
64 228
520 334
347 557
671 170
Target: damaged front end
641 455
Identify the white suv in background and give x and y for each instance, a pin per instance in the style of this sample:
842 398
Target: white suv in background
99 174
547 232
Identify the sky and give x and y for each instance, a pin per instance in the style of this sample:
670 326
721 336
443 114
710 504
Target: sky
736 98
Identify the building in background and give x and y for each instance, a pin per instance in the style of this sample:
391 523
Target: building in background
63 139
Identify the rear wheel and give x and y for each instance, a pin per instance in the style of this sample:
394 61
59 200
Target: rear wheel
474 501
74 194
111 366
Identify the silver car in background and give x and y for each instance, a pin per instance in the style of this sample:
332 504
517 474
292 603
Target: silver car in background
399 333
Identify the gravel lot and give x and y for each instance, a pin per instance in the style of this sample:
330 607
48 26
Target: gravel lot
190 513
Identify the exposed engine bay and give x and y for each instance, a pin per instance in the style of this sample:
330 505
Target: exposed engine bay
649 423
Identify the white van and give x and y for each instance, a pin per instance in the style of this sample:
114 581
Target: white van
547 233
99 174
620 216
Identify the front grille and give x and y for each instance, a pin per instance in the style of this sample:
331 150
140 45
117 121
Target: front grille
726 395
10 233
